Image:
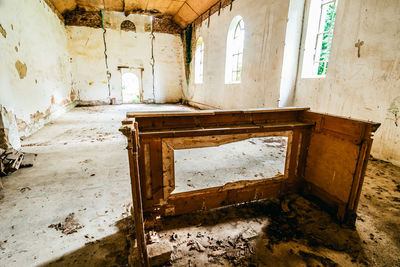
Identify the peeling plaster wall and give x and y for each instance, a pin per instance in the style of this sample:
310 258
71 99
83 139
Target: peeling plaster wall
265 27
367 87
34 69
124 48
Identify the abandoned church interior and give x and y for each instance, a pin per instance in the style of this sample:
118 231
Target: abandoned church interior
199 133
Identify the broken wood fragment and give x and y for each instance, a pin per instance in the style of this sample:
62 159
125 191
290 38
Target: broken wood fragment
29 159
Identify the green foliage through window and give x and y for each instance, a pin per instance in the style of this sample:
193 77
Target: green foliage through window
327 33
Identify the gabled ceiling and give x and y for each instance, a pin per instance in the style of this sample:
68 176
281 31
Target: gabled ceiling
183 12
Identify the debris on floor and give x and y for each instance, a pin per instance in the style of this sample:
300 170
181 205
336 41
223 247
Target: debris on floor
69 226
11 160
29 159
293 231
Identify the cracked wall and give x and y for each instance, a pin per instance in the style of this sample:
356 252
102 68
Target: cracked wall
35 73
367 87
126 49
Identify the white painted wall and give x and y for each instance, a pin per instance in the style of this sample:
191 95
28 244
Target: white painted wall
37 38
291 52
367 87
133 49
265 27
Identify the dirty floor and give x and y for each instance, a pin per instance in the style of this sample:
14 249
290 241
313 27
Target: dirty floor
71 209
76 192
251 159
293 231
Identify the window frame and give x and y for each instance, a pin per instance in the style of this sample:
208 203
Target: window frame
237 56
313 55
234 51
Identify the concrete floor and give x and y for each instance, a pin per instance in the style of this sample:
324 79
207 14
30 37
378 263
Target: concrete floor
82 168
251 159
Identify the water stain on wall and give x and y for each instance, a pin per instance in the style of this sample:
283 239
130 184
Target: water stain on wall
3 31
72 95
394 109
21 68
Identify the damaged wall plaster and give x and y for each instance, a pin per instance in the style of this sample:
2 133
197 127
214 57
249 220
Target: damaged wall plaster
128 25
9 134
34 72
21 68
3 31
81 17
124 48
365 87
265 27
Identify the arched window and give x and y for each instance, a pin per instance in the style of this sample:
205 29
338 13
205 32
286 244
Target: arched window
234 51
199 60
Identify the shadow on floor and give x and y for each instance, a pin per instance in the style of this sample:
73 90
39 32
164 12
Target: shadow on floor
109 251
295 232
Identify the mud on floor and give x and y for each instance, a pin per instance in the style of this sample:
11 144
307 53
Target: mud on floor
293 231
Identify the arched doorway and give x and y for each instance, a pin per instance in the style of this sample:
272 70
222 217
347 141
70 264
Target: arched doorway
130 88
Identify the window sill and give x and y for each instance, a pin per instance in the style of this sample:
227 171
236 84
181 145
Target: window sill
232 82
314 77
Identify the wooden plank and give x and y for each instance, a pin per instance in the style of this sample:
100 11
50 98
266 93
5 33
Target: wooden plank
174 7
305 144
142 171
173 113
156 169
353 208
114 5
224 131
137 196
146 114
201 6
331 165
147 171
359 175
185 15
215 140
294 156
345 128
233 193
217 120
168 163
